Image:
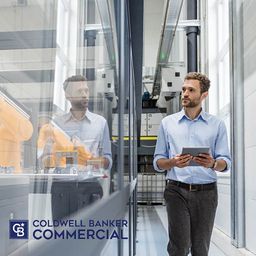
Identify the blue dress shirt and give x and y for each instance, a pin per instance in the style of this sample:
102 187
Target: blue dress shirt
178 131
92 130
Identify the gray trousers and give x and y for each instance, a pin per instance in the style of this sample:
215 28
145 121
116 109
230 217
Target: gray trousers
190 217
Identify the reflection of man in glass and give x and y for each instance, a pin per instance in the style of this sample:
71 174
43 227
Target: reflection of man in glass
85 128
88 135
87 132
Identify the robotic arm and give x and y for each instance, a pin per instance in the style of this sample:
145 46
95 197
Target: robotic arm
15 128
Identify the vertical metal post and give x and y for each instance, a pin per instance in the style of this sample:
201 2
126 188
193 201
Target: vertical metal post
237 122
121 19
90 37
136 11
135 173
121 94
135 218
136 17
131 156
191 33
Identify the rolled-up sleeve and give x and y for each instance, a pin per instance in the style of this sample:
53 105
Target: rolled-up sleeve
161 150
221 146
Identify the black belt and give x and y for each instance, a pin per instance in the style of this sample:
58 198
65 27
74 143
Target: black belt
192 187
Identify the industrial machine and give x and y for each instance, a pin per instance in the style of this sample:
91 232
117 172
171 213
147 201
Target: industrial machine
15 127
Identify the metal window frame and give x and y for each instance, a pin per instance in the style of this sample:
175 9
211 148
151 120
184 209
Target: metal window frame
237 124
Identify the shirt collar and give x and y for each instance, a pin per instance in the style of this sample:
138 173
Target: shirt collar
203 116
69 116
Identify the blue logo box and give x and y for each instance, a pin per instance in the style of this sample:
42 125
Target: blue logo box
18 229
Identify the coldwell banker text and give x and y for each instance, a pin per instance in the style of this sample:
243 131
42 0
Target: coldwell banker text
79 229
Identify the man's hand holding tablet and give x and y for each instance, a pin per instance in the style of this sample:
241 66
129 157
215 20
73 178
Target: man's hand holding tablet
200 156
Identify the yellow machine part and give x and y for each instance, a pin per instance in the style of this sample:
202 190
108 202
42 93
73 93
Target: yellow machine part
57 146
14 128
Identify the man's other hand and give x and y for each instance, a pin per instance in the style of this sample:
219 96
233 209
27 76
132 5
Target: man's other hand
181 160
204 160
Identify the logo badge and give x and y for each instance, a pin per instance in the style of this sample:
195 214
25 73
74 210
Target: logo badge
18 229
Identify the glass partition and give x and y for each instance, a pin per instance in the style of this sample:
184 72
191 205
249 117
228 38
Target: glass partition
58 92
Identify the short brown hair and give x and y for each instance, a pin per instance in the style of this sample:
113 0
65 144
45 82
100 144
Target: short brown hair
203 79
75 78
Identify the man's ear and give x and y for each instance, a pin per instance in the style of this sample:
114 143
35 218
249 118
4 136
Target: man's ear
204 95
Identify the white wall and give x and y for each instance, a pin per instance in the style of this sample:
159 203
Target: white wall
249 24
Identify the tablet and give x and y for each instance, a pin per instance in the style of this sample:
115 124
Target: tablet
194 151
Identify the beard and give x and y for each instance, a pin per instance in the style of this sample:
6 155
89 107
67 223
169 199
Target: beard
79 104
189 103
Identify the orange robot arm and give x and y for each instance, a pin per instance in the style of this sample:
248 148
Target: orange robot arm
19 128
14 128
61 144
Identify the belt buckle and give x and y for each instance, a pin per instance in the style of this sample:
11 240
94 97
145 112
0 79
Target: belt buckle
191 188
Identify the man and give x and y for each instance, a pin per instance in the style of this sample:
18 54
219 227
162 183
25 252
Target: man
83 126
191 191
89 135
